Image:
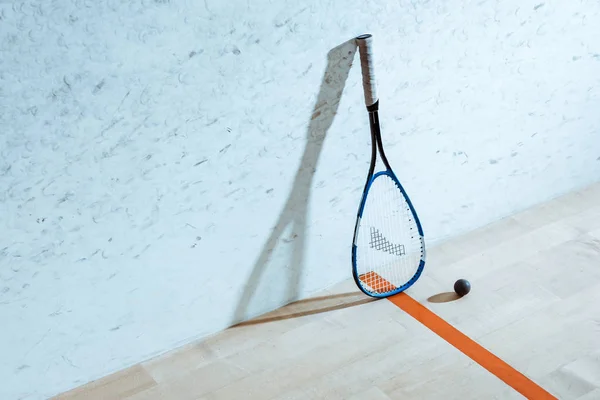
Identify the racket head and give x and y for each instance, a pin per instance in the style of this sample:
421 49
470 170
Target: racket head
388 251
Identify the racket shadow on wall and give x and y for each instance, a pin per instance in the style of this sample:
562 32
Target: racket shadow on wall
294 213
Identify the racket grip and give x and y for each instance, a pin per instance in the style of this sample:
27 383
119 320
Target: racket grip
365 48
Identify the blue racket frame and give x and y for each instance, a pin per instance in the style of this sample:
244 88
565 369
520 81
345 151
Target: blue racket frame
421 266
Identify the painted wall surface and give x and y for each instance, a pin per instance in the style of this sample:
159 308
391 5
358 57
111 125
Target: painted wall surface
170 167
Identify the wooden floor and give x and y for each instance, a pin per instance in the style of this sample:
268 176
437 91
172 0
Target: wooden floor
535 304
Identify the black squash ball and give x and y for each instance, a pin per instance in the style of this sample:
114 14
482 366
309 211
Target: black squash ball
462 287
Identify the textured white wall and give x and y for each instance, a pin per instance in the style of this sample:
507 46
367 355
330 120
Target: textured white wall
168 167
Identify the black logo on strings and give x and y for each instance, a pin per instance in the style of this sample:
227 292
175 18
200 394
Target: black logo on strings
379 242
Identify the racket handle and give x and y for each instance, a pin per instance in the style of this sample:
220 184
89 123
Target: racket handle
365 48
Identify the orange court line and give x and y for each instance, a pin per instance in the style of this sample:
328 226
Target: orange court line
469 347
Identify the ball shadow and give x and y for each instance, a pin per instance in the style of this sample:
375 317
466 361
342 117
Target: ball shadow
445 297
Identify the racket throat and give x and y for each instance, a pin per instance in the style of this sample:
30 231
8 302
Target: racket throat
376 138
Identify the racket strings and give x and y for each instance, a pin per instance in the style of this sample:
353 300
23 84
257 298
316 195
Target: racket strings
389 246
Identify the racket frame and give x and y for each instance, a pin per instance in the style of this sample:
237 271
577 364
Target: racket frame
377 148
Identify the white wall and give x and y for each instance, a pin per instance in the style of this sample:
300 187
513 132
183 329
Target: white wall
168 167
